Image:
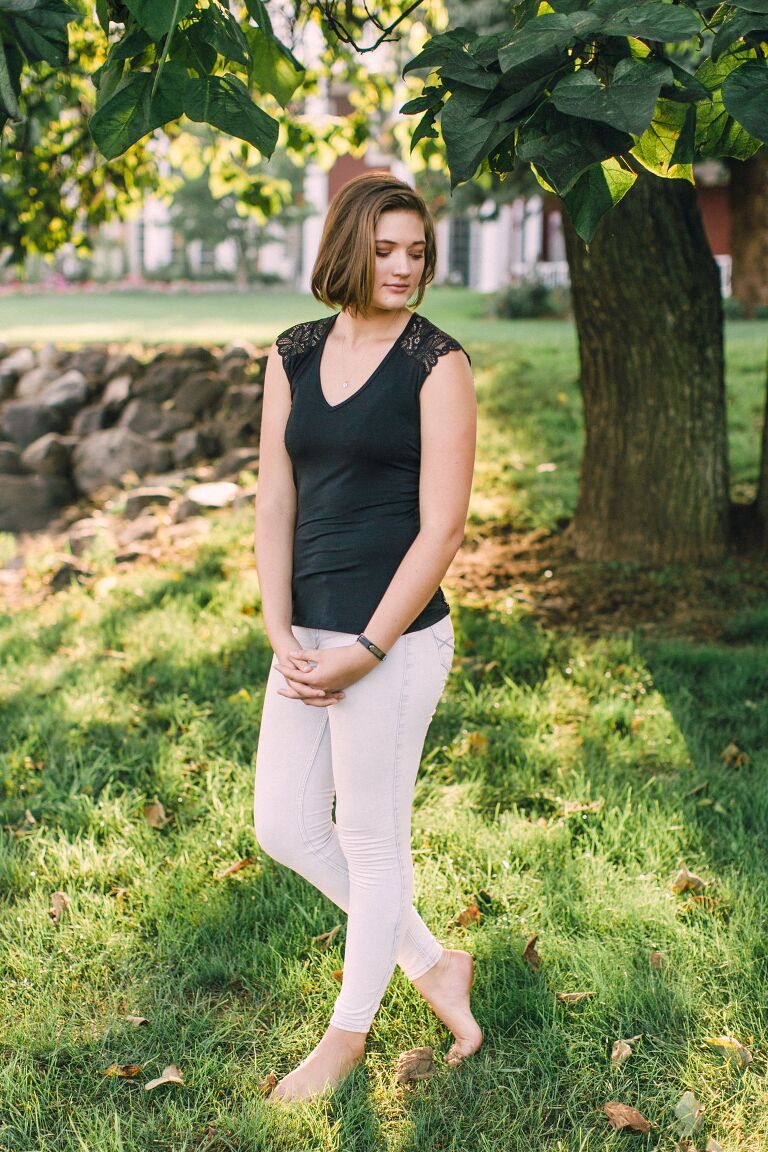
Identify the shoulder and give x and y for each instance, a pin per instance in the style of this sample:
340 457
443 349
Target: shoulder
301 338
424 342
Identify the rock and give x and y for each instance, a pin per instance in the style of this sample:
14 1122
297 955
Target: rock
69 569
7 387
117 390
245 496
122 364
104 457
234 461
49 455
26 420
199 393
194 444
238 432
68 393
140 498
18 362
10 458
91 360
94 418
185 510
244 400
161 379
32 382
83 533
49 356
149 419
141 529
196 354
29 502
214 495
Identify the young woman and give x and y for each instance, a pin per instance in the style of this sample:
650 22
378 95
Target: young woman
367 451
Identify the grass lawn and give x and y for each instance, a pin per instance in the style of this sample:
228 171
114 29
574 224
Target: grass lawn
565 776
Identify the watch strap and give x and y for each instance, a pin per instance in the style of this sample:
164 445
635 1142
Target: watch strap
362 639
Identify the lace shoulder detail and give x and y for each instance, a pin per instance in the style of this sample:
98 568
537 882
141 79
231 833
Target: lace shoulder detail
426 343
299 339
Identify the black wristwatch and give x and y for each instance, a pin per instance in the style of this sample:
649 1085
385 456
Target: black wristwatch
366 643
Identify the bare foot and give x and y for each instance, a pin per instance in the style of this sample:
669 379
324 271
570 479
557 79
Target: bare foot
326 1066
445 987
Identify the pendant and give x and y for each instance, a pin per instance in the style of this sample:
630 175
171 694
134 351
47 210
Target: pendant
345 383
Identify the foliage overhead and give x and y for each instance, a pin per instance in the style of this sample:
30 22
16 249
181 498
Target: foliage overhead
587 92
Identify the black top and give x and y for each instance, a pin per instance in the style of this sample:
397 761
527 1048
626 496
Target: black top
356 471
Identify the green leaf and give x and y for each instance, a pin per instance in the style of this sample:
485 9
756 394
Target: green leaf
156 16
258 12
225 102
131 44
507 108
431 97
717 133
102 15
425 129
464 69
667 145
465 133
41 32
745 95
651 21
598 190
751 5
564 147
739 26
690 91
439 49
19 5
131 113
551 33
274 68
627 103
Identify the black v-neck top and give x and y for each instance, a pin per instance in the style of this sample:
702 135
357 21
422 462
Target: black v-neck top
356 470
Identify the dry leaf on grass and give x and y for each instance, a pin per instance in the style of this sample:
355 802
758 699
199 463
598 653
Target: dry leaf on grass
415 1064
155 815
470 915
623 1116
622 1050
267 1083
530 955
325 939
713 1146
689 1114
573 997
169 1075
656 960
59 904
733 756
686 881
137 1021
127 1071
29 818
576 807
338 974
731 1049
230 871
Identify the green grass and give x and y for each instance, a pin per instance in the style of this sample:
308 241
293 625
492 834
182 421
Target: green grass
131 690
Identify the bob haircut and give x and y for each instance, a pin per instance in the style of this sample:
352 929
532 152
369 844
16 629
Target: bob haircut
343 273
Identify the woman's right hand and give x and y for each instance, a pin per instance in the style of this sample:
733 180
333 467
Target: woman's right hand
314 697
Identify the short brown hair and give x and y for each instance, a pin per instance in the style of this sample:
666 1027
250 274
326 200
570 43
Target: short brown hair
343 273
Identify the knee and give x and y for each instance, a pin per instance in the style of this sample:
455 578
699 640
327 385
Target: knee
273 839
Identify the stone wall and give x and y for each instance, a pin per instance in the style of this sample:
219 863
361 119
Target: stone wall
78 425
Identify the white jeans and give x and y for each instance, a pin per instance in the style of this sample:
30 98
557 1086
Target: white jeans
366 750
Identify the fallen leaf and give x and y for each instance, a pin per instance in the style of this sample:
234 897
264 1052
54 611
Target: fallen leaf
118 893
689 1114
324 939
713 1146
338 974
169 1075
575 807
733 756
622 1116
267 1083
243 694
155 815
128 1071
622 1050
415 1064
59 904
230 871
657 960
731 1049
137 1021
573 997
29 818
470 915
530 955
686 881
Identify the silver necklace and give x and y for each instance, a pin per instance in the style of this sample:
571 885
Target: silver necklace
345 383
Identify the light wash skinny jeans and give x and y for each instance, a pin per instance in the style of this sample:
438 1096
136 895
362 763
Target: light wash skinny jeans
366 750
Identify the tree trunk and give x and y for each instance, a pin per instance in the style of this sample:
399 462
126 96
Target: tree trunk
648 308
759 525
749 231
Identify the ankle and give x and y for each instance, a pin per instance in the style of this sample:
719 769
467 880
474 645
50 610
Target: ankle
354 1042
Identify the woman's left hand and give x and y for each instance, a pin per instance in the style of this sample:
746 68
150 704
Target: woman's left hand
335 668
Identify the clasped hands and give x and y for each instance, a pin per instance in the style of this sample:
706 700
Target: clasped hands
318 677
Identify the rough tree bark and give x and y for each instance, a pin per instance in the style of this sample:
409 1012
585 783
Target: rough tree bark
748 195
648 308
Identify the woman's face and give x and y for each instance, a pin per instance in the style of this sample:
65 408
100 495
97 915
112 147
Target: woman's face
399 266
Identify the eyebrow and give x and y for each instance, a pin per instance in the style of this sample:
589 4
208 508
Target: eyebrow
411 245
